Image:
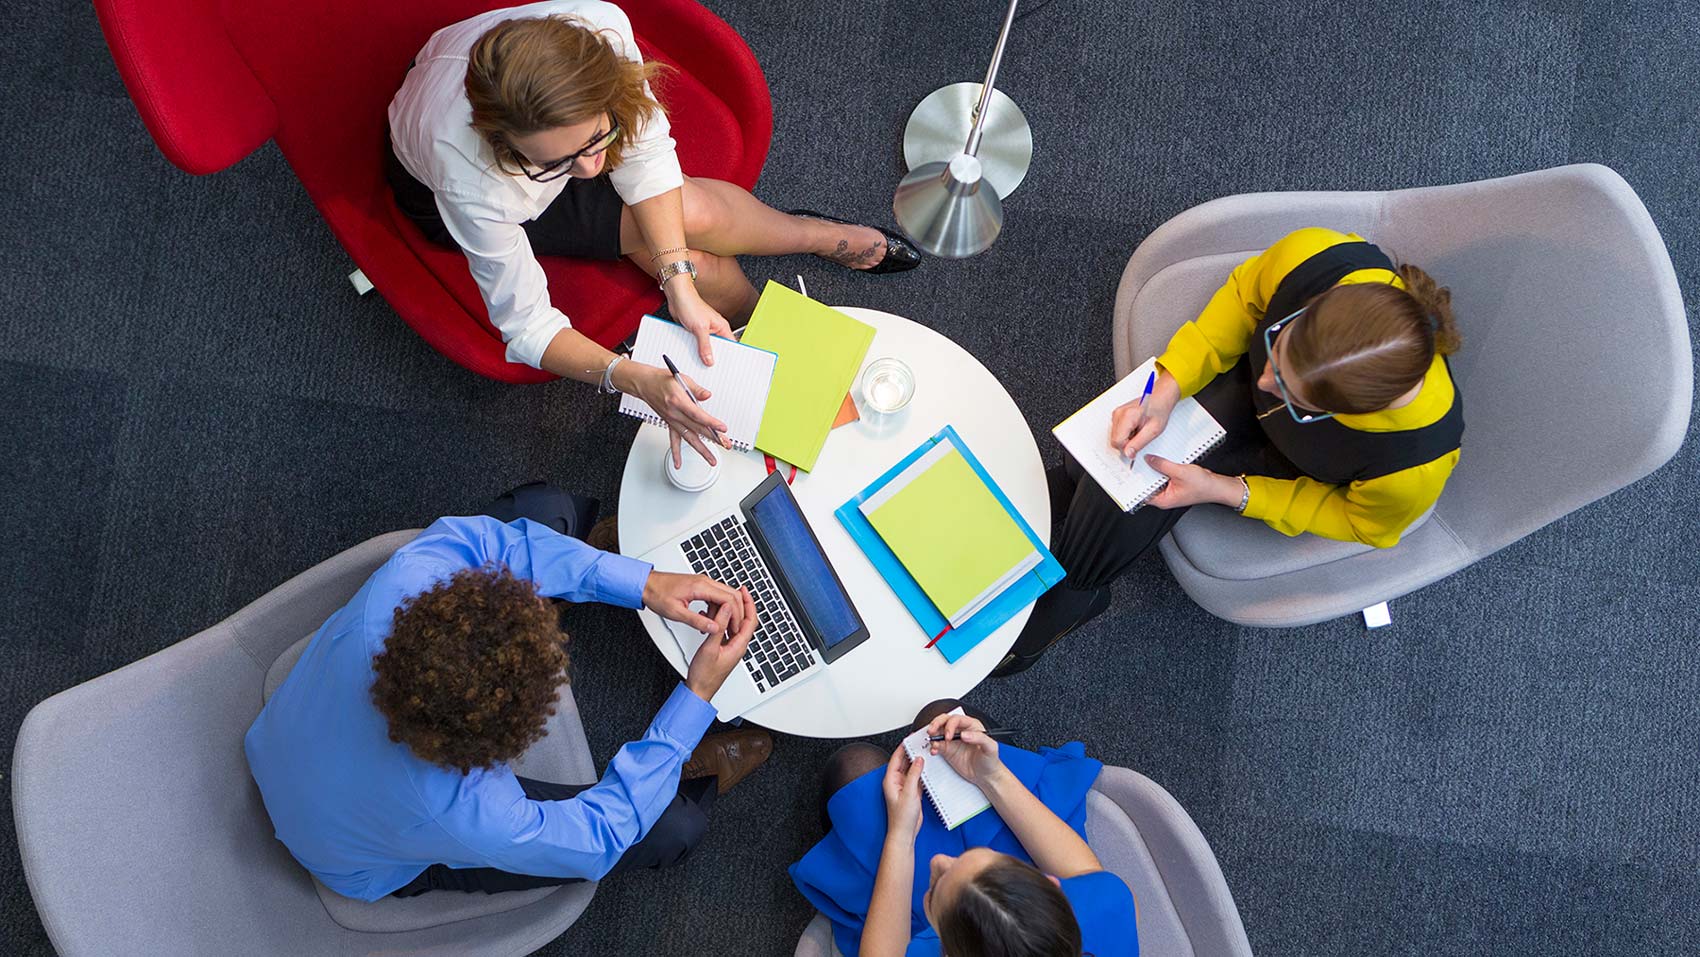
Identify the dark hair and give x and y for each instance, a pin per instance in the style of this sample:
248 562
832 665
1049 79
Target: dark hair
1010 909
1361 346
471 670
529 75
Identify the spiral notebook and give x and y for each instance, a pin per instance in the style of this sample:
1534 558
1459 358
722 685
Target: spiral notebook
739 379
954 797
1191 432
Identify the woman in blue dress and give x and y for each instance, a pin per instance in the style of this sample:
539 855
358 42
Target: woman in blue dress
1021 882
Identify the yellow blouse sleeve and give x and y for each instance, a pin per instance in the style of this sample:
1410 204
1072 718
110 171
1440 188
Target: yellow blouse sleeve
1210 345
1375 511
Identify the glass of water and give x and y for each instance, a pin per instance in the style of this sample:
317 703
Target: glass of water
887 385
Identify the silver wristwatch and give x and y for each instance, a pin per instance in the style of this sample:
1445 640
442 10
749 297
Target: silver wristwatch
675 268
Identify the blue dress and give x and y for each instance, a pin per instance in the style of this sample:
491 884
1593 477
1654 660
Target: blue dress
837 874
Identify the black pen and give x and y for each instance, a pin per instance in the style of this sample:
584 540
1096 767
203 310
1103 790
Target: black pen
989 732
681 380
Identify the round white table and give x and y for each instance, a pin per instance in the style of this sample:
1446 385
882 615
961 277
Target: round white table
882 684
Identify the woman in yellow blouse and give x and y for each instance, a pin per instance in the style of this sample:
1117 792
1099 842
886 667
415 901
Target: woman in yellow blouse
1326 364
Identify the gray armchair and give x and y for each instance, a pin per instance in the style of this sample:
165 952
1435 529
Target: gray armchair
1569 307
1146 838
141 831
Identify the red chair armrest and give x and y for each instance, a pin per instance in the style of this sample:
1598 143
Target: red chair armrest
198 99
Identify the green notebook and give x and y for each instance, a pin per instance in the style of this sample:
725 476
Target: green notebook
950 532
820 350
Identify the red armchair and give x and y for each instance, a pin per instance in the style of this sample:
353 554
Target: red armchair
214 79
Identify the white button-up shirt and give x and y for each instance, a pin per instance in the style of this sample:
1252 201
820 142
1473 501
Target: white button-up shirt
483 207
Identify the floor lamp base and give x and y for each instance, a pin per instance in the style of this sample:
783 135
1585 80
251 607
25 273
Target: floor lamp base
939 127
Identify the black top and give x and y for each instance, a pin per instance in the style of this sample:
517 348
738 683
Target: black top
1327 450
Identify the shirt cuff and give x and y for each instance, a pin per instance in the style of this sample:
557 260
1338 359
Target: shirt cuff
647 178
620 580
684 717
1258 500
528 347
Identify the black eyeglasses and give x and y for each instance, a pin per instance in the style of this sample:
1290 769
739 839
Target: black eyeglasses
1269 336
549 172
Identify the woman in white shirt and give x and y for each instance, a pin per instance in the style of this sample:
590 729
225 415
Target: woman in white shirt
499 138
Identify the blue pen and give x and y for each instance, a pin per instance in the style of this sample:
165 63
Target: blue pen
1150 381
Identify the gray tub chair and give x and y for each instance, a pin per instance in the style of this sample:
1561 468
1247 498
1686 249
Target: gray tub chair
142 832
1145 837
1569 308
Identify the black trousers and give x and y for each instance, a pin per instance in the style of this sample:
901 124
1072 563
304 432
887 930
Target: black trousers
680 829
1096 541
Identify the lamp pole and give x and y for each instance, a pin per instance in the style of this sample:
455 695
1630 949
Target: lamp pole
950 206
947 116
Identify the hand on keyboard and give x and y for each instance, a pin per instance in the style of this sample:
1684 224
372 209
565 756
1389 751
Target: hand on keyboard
715 660
670 596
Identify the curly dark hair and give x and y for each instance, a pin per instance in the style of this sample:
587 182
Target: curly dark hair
471 670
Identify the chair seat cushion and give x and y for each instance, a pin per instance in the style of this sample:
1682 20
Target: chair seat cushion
1226 545
561 756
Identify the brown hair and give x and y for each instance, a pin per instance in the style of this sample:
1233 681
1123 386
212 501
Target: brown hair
1010 909
526 76
1361 346
471 669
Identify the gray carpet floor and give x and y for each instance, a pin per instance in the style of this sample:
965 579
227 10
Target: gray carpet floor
197 407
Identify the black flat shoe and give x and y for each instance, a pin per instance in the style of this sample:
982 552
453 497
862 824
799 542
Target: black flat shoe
1058 613
900 256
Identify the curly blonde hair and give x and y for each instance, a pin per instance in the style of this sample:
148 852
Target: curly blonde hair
529 75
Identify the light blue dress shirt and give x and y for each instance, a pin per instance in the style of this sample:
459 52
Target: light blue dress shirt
365 815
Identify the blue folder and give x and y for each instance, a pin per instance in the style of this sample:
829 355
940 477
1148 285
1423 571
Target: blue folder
1020 593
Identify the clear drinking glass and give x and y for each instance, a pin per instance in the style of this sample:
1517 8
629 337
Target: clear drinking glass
887 385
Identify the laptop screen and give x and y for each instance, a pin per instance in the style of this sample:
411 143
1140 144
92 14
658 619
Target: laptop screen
805 567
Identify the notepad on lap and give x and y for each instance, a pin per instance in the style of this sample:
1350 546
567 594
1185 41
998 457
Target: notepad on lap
739 380
955 798
950 532
820 351
1191 432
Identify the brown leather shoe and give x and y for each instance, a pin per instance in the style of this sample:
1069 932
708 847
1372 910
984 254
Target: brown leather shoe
605 535
729 756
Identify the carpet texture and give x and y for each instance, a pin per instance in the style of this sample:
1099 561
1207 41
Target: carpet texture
197 407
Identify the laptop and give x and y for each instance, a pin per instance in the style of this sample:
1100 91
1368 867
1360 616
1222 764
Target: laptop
807 620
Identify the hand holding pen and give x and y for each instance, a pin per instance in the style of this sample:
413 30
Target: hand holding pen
1134 425
694 415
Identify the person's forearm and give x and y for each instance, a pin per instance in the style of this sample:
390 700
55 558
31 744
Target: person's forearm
886 933
661 220
1052 844
572 355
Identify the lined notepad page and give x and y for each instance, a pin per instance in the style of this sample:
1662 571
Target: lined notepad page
1191 432
739 379
955 798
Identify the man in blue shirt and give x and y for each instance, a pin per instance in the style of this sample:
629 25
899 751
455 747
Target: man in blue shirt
383 758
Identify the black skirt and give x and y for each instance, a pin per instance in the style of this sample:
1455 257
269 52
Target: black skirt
583 222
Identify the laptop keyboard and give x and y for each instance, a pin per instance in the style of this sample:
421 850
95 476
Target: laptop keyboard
725 553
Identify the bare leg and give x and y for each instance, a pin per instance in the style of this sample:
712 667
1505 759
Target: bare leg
720 281
725 219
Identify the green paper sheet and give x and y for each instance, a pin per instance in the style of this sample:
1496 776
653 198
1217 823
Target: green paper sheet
820 350
950 533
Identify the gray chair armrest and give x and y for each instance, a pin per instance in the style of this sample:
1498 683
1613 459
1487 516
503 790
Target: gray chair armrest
1183 857
269 624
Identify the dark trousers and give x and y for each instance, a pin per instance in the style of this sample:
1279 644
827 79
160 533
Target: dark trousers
680 829
1096 541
